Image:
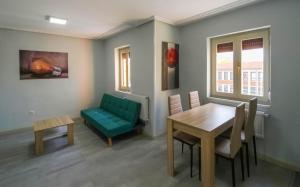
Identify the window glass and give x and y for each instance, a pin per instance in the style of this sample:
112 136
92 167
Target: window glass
224 63
253 61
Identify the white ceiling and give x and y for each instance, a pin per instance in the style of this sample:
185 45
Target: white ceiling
101 18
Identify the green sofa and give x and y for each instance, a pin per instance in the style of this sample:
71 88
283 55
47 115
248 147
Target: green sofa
115 116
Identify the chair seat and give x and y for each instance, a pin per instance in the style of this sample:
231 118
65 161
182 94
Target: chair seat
223 147
185 138
243 137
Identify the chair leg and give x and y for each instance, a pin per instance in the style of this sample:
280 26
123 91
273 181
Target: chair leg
233 173
247 158
199 163
182 147
242 162
191 148
254 146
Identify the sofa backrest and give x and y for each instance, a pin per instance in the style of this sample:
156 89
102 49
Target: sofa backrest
126 109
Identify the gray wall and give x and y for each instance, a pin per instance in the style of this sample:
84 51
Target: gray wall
145 45
99 71
141 42
283 127
50 97
167 33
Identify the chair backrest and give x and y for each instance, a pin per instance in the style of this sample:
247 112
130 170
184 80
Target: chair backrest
249 124
174 103
235 138
194 99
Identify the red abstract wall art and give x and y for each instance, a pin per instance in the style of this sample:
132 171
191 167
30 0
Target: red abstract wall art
170 66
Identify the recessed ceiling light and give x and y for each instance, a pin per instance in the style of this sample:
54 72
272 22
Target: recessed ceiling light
56 20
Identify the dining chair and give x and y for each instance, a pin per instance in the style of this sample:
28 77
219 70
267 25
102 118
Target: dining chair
193 103
248 132
194 99
229 148
174 103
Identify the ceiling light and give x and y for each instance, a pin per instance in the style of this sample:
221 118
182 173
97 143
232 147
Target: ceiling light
56 20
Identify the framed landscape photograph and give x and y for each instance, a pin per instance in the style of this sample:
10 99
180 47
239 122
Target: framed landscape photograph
170 66
43 65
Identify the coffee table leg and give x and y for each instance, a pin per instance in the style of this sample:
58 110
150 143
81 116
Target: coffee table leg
71 134
39 145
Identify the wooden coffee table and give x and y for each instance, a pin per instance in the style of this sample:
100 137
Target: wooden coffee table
40 126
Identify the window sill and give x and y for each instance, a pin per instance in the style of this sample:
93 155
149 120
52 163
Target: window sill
122 92
119 93
260 107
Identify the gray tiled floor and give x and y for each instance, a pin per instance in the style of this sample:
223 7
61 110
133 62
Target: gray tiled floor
134 161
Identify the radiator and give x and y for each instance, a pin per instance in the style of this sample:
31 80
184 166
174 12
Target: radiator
144 100
259 124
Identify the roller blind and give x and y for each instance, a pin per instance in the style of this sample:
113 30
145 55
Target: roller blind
252 44
225 47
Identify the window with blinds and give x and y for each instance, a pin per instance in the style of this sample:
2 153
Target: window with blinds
240 67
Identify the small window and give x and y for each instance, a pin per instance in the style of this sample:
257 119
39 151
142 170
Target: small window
219 75
231 76
226 88
124 69
225 75
260 76
243 59
220 88
253 76
253 90
231 88
245 76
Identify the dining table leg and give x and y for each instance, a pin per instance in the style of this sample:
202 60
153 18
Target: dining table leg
208 161
170 147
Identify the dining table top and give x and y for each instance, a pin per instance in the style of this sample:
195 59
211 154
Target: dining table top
208 117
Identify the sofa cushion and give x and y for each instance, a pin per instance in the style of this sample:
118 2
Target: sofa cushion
123 108
108 123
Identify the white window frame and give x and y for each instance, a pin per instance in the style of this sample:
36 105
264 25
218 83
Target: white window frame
237 39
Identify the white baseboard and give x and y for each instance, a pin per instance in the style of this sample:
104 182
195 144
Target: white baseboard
12 131
23 129
279 162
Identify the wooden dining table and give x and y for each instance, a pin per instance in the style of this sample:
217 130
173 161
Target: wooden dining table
205 122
